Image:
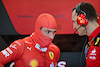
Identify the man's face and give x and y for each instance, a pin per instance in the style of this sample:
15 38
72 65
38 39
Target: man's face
50 33
81 31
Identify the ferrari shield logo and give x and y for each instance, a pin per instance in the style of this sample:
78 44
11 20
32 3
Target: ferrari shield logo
51 55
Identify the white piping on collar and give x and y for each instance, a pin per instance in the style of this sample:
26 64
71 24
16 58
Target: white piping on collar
40 48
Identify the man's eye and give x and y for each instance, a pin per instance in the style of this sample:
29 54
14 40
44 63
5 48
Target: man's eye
47 31
54 32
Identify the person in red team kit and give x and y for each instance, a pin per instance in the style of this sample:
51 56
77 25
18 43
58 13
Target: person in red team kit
37 50
85 21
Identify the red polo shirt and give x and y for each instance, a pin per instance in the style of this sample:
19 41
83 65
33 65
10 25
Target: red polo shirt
93 55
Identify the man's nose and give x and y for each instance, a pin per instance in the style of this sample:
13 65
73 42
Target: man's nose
52 35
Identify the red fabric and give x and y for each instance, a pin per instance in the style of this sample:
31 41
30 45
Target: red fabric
1 65
25 54
93 56
44 20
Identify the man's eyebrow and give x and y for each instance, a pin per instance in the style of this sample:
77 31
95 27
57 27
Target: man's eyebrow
51 31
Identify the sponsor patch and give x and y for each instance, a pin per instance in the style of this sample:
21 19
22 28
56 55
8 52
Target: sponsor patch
93 54
97 41
33 63
51 55
6 52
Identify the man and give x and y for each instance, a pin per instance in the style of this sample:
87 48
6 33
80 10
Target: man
36 50
84 19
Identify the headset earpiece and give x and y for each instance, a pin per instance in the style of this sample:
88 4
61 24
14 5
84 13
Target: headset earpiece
82 20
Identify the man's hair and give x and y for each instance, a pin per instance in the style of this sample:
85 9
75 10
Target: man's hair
89 10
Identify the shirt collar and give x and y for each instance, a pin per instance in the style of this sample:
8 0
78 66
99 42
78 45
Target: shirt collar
40 48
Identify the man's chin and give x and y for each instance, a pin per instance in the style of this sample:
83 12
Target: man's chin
81 34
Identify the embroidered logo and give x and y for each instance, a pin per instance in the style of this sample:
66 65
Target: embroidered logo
97 42
52 64
13 46
29 48
51 55
93 54
7 52
33 63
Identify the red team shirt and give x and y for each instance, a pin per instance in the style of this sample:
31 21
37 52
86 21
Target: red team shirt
26 53
93 55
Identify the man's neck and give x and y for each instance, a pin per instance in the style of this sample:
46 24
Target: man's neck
91 27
